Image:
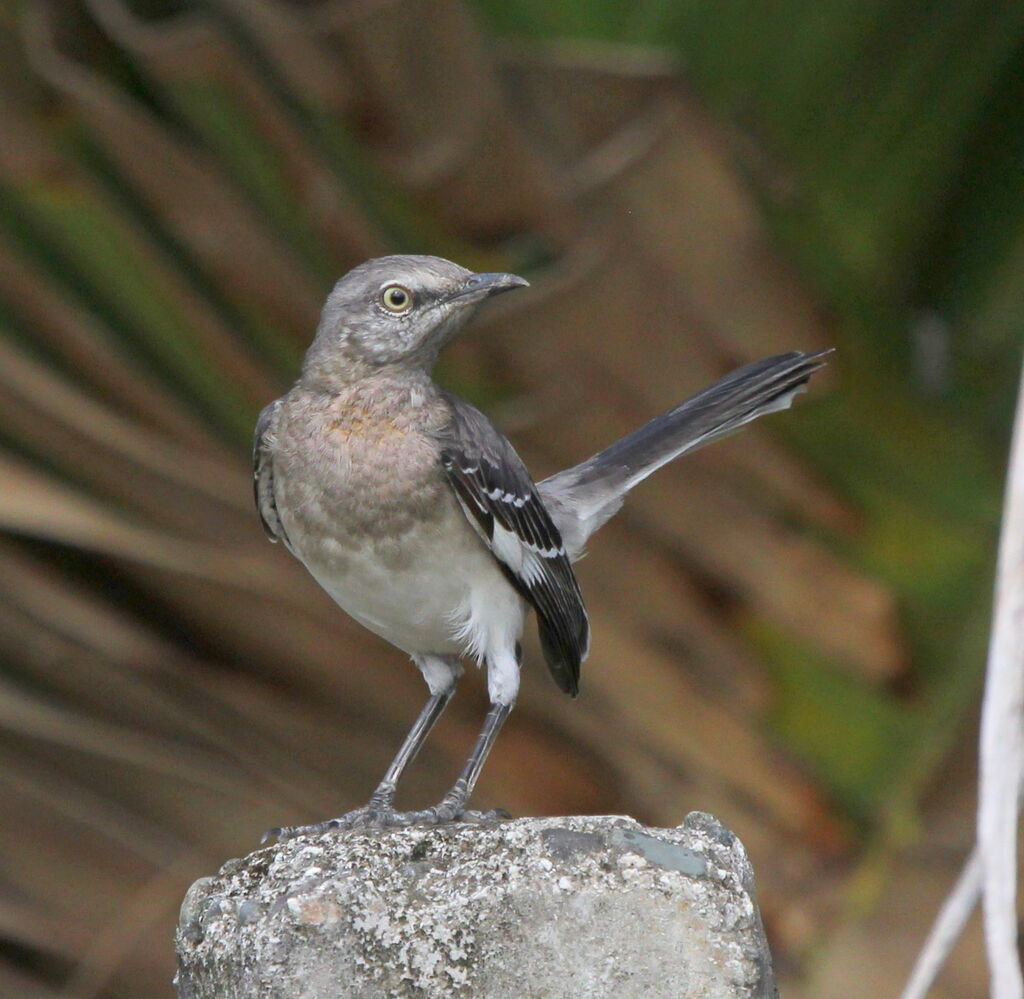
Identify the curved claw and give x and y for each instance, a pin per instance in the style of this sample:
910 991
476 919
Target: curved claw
282 833
497 815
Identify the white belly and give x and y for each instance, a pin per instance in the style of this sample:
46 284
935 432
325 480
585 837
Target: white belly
438 591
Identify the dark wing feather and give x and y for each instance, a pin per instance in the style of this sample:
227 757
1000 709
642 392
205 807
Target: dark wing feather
263 474
498 495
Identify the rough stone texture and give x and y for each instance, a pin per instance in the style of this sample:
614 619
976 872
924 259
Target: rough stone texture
541 908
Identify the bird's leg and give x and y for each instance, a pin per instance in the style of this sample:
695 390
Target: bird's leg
453 805
379 811
503 688
383 798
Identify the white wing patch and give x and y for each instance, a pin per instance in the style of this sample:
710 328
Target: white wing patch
500 496
496 492
523 559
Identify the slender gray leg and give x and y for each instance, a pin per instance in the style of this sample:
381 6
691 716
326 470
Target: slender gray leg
384 796
453 805
441 674
379 811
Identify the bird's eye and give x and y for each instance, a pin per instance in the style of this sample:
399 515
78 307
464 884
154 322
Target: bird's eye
396 299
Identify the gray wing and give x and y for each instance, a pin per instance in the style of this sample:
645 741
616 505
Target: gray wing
498 495
263 474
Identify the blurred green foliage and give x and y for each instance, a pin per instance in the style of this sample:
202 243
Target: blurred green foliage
890 143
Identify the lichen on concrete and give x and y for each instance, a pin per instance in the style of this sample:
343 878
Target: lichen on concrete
559 907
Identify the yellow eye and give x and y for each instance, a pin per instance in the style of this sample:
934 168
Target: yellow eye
396 299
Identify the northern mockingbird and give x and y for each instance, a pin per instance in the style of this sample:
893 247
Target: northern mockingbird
418 517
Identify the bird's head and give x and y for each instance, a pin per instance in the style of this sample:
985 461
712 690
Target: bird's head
399 310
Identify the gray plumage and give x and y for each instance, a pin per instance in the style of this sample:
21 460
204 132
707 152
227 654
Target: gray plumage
586 496
418 517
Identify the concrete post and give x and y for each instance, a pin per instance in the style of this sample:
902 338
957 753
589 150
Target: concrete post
595 906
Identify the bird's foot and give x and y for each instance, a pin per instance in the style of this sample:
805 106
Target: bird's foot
384 817
371 816
446 813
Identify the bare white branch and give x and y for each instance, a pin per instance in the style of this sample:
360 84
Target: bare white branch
1002 739
991 868
946 930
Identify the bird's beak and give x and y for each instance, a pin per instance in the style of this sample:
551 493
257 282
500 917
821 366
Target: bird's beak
477 287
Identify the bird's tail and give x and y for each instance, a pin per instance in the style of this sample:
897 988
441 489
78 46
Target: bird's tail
582 498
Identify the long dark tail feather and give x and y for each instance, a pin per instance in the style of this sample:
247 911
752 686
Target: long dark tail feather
582 498
721 409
